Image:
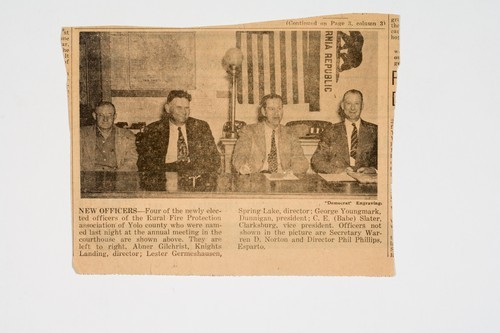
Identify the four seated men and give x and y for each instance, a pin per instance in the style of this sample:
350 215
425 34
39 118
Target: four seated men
180 143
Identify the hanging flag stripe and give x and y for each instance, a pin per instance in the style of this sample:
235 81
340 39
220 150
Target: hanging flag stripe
277 65
295 79
272 68
283 67
300 69
278 62
260 55
239 77
244 70
305 60
256 70
249 61
312 68
289 67
266 65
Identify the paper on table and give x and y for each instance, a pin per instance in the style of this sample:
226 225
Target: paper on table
281 176
336 177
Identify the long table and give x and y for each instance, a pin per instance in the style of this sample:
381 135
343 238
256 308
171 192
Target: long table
171 184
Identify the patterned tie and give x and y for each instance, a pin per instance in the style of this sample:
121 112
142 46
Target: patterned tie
354 141
182 149
272 158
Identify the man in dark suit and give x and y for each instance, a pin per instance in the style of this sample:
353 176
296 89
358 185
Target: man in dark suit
350 145
177 142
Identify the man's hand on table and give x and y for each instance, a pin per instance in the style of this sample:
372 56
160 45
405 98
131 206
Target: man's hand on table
363 175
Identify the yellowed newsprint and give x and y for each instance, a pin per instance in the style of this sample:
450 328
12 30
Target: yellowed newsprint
255 149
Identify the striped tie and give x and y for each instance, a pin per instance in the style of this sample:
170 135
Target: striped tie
354 141
272 158
182 149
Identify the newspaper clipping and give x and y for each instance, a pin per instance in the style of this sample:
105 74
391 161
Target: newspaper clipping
255 149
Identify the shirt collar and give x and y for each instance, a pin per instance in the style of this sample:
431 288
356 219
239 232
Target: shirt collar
348 123
268 129
174 126
99 133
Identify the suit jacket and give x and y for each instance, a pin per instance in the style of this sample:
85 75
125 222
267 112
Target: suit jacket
251 149
332 154
203 154
125 151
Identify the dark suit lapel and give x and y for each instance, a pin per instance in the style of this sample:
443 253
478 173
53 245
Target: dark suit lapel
363 137
344 144
164 140
190 132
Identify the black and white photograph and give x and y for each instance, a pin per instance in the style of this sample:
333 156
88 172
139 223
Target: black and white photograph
225 112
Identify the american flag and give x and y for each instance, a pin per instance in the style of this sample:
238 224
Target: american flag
281 62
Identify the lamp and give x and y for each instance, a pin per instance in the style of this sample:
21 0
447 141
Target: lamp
232 61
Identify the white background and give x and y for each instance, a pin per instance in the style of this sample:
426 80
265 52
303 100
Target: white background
446 187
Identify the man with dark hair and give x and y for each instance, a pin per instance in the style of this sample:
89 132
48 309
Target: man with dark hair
268 146
350 144
177 142
105 147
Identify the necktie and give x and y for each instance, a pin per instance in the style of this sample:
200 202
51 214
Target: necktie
272 158
354 141
182 149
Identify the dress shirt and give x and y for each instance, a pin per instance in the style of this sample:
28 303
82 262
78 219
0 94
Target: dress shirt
105 156
172 142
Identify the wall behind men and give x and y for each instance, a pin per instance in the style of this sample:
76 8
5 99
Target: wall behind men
211 97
